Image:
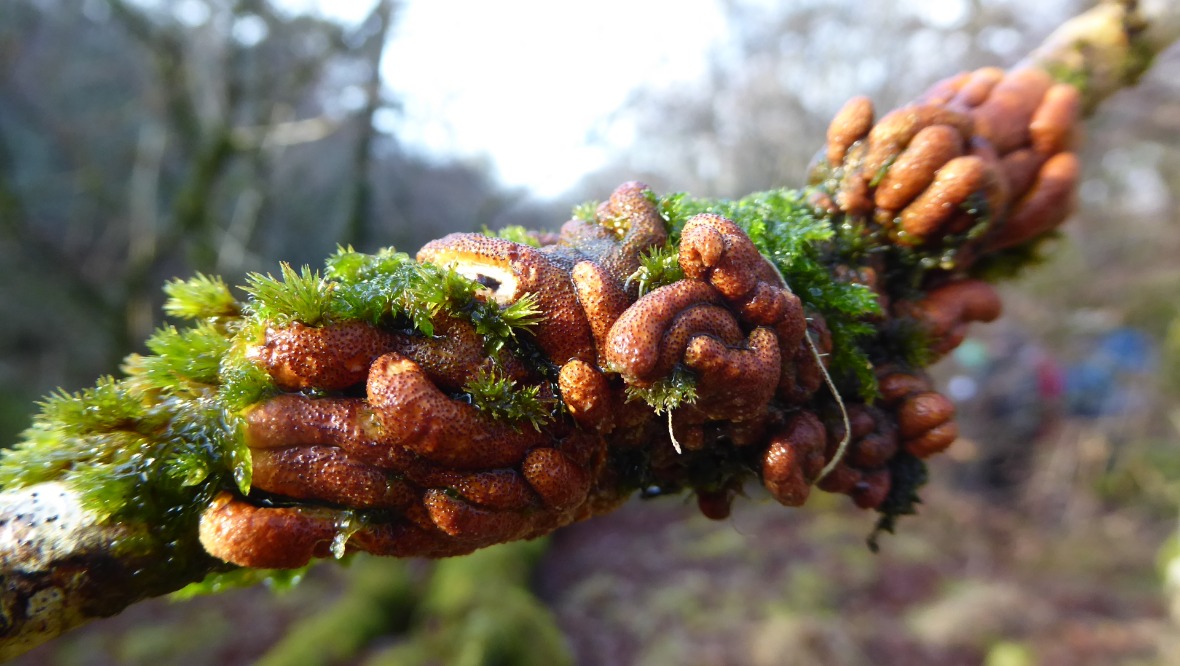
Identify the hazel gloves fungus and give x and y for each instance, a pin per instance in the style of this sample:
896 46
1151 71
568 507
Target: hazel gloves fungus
497 388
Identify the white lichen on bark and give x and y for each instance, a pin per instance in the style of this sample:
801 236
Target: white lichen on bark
44 534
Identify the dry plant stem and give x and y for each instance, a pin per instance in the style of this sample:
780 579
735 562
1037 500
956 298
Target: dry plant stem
62 567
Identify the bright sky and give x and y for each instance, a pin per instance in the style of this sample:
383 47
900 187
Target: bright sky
523 82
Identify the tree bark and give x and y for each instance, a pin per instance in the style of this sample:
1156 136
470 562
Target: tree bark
61 566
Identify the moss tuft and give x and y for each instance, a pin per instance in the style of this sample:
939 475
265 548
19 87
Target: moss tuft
667 393
658 267
200 297
302 296
499 397
516 234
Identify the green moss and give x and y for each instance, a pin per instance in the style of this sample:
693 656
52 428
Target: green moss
586 211
182 358
243 380
667 393
500 397
302 296
501 326
134 456
219 581
200 297
516 234
805 249
391 289
658 267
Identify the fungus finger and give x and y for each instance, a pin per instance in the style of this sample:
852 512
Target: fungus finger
802 374
328 473
793 459
921 412
1054 123
850 124
1003 119
843 479
782 474
560 482
715 504
897 128
636 340
854 196
632 206
874 449
895 386
1046 205
497 489
916 166
771 305
412 413
715 249
735 384
403 539
266 538
297 420
944 90
468 523
331 357
700 319
872 489
455 354
934 440
977 87
957 180
587 395
603 300
1020 168
945 310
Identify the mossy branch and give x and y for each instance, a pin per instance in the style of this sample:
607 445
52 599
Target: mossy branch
74 546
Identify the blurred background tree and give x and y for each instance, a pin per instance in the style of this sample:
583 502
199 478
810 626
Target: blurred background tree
145 140
141 141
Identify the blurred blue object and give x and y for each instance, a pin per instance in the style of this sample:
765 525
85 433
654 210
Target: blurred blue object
1088 388
1129 350
1104 384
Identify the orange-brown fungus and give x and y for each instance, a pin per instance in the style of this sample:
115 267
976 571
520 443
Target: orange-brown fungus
988 148
331 357
373 443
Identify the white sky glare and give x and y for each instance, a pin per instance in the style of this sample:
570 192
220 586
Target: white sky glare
523 82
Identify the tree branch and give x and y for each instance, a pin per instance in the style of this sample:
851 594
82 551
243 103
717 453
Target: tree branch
62 565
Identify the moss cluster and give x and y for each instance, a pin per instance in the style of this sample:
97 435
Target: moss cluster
152 448
803 245
500 397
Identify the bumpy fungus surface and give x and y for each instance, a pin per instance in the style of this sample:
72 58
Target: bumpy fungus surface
492 390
